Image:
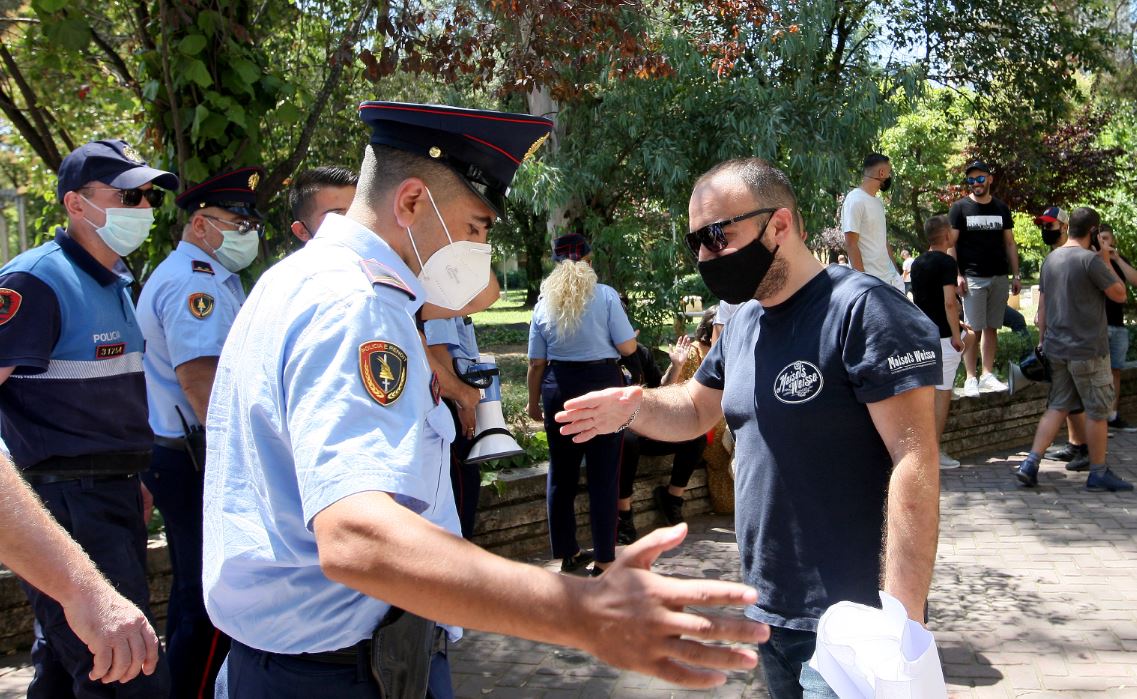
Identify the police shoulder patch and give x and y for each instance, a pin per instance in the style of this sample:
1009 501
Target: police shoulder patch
10 301
202 266
383 368
382 275
200 305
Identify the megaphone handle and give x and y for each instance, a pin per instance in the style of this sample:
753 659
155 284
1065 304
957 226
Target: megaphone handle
488 432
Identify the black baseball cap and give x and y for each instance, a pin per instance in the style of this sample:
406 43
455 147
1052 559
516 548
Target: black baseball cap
114 163
977 165
483 148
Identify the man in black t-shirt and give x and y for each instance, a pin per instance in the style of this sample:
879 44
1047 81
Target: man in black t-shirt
934 292
1115 319
986 252
819 520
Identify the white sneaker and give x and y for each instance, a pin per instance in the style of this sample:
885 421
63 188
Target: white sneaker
988 382
947 462
971 388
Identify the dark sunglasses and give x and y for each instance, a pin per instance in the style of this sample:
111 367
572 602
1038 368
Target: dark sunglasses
243 225
977 180
478 378
134 197
712 237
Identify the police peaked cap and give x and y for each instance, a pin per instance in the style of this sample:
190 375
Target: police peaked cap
234 191
483 148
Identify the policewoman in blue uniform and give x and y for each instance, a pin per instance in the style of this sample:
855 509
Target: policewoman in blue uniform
578 332
185 311
73 397
331 535
453 346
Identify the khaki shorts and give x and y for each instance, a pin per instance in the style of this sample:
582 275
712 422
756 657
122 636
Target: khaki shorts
1081 383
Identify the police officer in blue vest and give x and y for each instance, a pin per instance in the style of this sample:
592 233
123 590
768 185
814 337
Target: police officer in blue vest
73 397
185 311
331 535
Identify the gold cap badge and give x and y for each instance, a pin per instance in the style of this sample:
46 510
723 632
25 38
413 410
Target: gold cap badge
130 154
254 180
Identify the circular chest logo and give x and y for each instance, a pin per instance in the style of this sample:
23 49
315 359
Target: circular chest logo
798 382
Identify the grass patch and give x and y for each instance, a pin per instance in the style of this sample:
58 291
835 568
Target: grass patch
508 310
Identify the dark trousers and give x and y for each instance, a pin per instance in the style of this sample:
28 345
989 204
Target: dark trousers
194 648
466 479
252 674
785 659
687 457
105 518
602 462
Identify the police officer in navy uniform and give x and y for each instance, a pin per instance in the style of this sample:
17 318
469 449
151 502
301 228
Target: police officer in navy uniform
185 311
73 397
328 501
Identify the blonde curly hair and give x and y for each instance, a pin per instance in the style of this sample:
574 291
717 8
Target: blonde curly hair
566 292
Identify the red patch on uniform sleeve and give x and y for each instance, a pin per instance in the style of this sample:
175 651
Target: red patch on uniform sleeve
10 301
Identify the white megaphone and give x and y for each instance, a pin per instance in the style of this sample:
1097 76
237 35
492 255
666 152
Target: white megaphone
493 440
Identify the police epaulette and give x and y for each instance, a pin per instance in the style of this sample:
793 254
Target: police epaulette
202 266
379 273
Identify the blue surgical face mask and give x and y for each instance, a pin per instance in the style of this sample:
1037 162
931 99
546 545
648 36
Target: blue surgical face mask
125 229
238 250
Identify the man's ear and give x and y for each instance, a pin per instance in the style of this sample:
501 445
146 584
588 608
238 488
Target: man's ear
300 231
408 201
73 203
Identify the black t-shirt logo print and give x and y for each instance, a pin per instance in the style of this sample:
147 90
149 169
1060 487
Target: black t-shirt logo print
799 382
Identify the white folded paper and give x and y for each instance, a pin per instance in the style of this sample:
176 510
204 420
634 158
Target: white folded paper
866 653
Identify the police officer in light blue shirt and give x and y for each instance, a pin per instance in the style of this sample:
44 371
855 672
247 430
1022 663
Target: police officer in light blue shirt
329 521
453 347
185 312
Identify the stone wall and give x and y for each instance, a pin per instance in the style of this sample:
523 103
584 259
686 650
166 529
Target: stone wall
512 520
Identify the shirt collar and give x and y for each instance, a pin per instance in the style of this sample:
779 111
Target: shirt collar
220 272
340 230
86 262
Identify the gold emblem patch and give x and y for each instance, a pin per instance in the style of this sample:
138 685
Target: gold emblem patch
130 154
536 144
200 305
383 368
435 151
254 180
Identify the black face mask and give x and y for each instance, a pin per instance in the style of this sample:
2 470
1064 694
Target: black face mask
734 278
885 184
1050 236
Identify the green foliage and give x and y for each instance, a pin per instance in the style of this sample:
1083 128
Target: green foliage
1028 239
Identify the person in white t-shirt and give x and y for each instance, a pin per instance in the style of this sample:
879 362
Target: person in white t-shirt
862 221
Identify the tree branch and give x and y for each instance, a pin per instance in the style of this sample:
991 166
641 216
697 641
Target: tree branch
285 168
180 146
48 155
32 105
118 65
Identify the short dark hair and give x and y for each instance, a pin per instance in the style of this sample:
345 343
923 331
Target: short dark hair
385 167
767 184
1105 228
307 183
935 227
872 160
1083 221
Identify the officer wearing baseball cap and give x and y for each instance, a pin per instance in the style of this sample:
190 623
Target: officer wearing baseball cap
331 533
185 312
72 394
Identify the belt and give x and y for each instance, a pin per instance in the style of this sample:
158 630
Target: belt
594 362
361 651
48 479
119 464
175 443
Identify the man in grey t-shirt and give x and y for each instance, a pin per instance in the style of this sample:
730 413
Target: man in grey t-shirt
1076 280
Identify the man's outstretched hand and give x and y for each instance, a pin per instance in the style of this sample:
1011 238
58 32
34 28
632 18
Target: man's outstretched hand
599 412
637 619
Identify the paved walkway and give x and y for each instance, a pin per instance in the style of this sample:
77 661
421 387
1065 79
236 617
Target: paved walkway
1035 595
